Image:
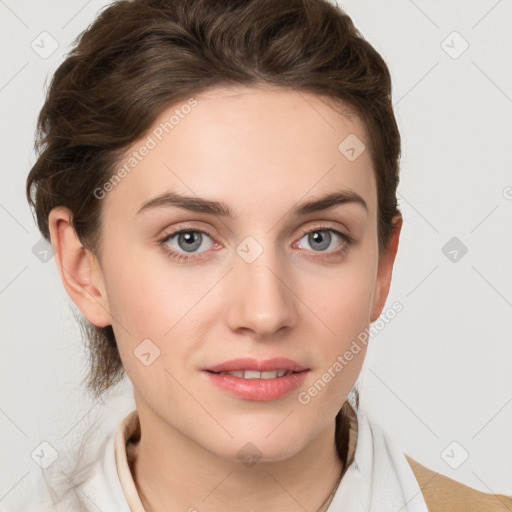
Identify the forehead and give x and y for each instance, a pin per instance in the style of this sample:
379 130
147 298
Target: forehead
257 149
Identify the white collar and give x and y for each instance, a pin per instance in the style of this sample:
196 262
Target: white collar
379 478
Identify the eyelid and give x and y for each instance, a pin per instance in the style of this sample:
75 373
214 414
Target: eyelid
329 227
320 226
169 232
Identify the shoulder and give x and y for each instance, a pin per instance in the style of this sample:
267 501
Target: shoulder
443 494
84 479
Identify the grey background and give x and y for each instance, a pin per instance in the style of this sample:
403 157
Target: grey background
440 372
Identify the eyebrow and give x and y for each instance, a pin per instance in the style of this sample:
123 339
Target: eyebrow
219 208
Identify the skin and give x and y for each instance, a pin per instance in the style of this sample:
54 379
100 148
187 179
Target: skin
260 151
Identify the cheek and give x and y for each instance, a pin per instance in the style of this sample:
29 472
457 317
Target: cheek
343 299
153 298
344 308
144 301
140 302
147 311
343 303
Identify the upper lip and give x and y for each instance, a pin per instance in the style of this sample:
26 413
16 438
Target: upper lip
261 365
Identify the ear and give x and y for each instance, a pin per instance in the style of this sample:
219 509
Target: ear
386 261
79 269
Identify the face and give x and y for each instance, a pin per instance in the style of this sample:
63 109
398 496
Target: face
252 274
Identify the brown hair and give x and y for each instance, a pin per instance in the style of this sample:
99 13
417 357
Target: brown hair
140 57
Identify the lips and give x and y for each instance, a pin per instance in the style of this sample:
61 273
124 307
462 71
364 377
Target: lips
259 380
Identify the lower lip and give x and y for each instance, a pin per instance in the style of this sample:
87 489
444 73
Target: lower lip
258 389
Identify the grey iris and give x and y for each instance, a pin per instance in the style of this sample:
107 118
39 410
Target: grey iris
192 240
316 237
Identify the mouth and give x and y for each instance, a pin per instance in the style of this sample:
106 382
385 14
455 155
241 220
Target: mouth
258 380
254 374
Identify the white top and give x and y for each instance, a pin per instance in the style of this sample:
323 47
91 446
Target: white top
379 478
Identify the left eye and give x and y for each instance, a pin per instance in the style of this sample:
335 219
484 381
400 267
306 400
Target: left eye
188 241
321 239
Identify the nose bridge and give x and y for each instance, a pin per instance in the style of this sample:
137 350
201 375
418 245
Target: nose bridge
261 300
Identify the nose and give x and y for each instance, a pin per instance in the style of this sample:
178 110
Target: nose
261 301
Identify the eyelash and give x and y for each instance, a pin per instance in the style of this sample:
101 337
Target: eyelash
346 242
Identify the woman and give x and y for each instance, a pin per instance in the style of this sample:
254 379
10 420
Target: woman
218 180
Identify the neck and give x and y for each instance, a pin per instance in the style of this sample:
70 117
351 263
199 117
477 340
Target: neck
171 472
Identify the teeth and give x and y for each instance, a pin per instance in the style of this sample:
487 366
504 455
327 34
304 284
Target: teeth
239 373
253 374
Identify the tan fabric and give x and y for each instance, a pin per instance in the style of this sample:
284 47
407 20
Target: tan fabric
442 494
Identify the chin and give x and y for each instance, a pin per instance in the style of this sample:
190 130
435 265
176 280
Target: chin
258 445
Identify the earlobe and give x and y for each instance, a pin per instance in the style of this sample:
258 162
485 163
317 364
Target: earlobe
79 269
385 270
